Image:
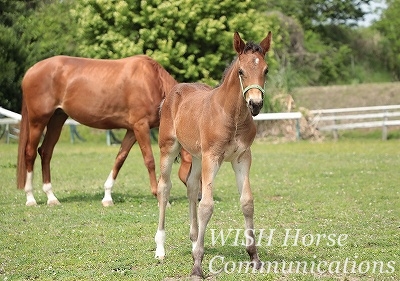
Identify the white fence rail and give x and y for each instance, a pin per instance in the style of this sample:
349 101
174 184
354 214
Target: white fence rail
325 119
15 118
281 116
357 118
12 118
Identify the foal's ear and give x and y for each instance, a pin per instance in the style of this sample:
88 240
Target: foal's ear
266 43
238 43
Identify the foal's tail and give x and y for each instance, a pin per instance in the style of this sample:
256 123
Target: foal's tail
23 140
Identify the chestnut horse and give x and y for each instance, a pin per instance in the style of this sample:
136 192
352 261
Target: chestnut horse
104 94
213 126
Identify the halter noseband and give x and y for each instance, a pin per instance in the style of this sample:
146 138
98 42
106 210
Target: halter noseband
253 86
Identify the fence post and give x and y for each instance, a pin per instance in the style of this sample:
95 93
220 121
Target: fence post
335 131
7 133
297 129
384 127
108 137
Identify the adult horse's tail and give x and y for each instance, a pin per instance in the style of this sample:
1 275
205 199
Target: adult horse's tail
23 140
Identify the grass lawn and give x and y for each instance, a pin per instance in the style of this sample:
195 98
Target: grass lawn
324 211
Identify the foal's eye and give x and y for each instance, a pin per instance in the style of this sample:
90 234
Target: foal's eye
266 72
241 72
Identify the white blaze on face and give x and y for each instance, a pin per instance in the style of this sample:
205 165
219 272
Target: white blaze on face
256 61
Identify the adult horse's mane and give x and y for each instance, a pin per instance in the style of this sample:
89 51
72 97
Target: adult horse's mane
167 81
249 47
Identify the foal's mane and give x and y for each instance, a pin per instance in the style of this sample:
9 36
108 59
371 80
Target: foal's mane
249 47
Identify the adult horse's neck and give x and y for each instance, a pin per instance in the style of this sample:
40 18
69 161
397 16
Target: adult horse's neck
230 94
167 82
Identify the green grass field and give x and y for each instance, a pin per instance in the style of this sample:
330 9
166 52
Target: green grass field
341 199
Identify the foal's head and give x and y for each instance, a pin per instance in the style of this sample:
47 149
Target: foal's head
252 70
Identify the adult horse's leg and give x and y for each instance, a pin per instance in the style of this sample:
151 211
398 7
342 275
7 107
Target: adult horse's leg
51 137
35 132
209 169
193 186
126 145
142 133
184 168
168 152
241 166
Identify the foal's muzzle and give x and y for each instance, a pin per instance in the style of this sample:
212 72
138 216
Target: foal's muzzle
255 98
255 106
255 102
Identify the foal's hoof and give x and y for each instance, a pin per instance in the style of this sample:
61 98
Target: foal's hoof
54 202
197 274
256 264
107 203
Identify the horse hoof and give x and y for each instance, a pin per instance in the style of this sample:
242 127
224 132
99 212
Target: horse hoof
256 264
197 274
53 203
195 278
31 203
107 203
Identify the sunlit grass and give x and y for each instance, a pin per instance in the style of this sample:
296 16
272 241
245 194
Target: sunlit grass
332 188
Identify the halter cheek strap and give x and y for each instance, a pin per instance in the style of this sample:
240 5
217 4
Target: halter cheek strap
253 86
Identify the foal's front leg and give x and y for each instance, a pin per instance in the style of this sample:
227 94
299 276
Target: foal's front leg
209 169
241 166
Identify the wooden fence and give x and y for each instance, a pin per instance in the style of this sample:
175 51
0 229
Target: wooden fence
356 118
14 118
324 119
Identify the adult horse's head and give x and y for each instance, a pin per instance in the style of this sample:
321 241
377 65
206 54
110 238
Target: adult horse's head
252 70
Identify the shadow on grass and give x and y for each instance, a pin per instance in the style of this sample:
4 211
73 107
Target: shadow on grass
239 254
120 198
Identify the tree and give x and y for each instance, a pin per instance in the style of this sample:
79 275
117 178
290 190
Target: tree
50 31
315 12
192 39
389 26
30 31
12 52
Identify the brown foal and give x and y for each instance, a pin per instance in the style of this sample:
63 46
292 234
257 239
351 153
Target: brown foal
213 125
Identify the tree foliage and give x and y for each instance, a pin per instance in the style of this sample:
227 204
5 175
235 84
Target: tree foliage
192 39
315 42
315 12
389 26
12 52
30 31
50 31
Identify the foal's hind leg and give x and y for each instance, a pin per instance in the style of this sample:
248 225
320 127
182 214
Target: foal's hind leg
193 186
51 137
126 145
241 166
